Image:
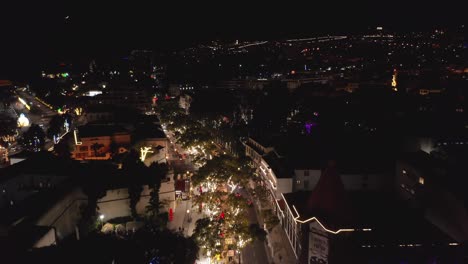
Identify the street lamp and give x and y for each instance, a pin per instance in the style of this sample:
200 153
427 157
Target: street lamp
101 218
188 215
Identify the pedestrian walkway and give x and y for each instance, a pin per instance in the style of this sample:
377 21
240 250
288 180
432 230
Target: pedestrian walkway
179 216
278 247
185 217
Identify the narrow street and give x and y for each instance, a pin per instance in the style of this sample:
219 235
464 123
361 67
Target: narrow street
254 252
177 157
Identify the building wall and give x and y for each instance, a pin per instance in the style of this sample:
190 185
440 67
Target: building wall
374 182
446 212
116 203
407 181
285 185
47 240
85 150
122 139
64 214
306 179
24 185
318 243
124 96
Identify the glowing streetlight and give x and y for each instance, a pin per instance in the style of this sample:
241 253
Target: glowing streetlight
23 121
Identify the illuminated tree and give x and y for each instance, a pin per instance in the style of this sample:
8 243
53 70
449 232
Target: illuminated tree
134 193
209 235
223 170
157 173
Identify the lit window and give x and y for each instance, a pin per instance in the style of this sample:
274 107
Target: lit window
298 182
404 172
421 180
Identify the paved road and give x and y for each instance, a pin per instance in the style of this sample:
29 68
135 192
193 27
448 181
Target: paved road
39 114
254 252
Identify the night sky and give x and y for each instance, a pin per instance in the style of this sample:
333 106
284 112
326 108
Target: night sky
40 33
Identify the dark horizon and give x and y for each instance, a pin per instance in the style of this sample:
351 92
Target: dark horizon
42 34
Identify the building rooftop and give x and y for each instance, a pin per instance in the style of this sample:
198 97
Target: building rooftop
100 130
387 220
327 201
149 131
278 165
37 163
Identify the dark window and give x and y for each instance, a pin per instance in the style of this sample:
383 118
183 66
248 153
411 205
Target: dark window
306 185
306 173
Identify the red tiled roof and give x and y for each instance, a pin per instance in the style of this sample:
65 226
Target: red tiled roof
328 195
327 201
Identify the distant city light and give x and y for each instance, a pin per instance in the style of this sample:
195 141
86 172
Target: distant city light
394 81
93 93
421 180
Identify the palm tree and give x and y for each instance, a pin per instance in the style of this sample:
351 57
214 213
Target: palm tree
96 146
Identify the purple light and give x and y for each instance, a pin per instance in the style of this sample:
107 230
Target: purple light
308 127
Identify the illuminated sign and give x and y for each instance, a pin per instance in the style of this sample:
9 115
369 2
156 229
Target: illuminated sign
144 151
75 134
